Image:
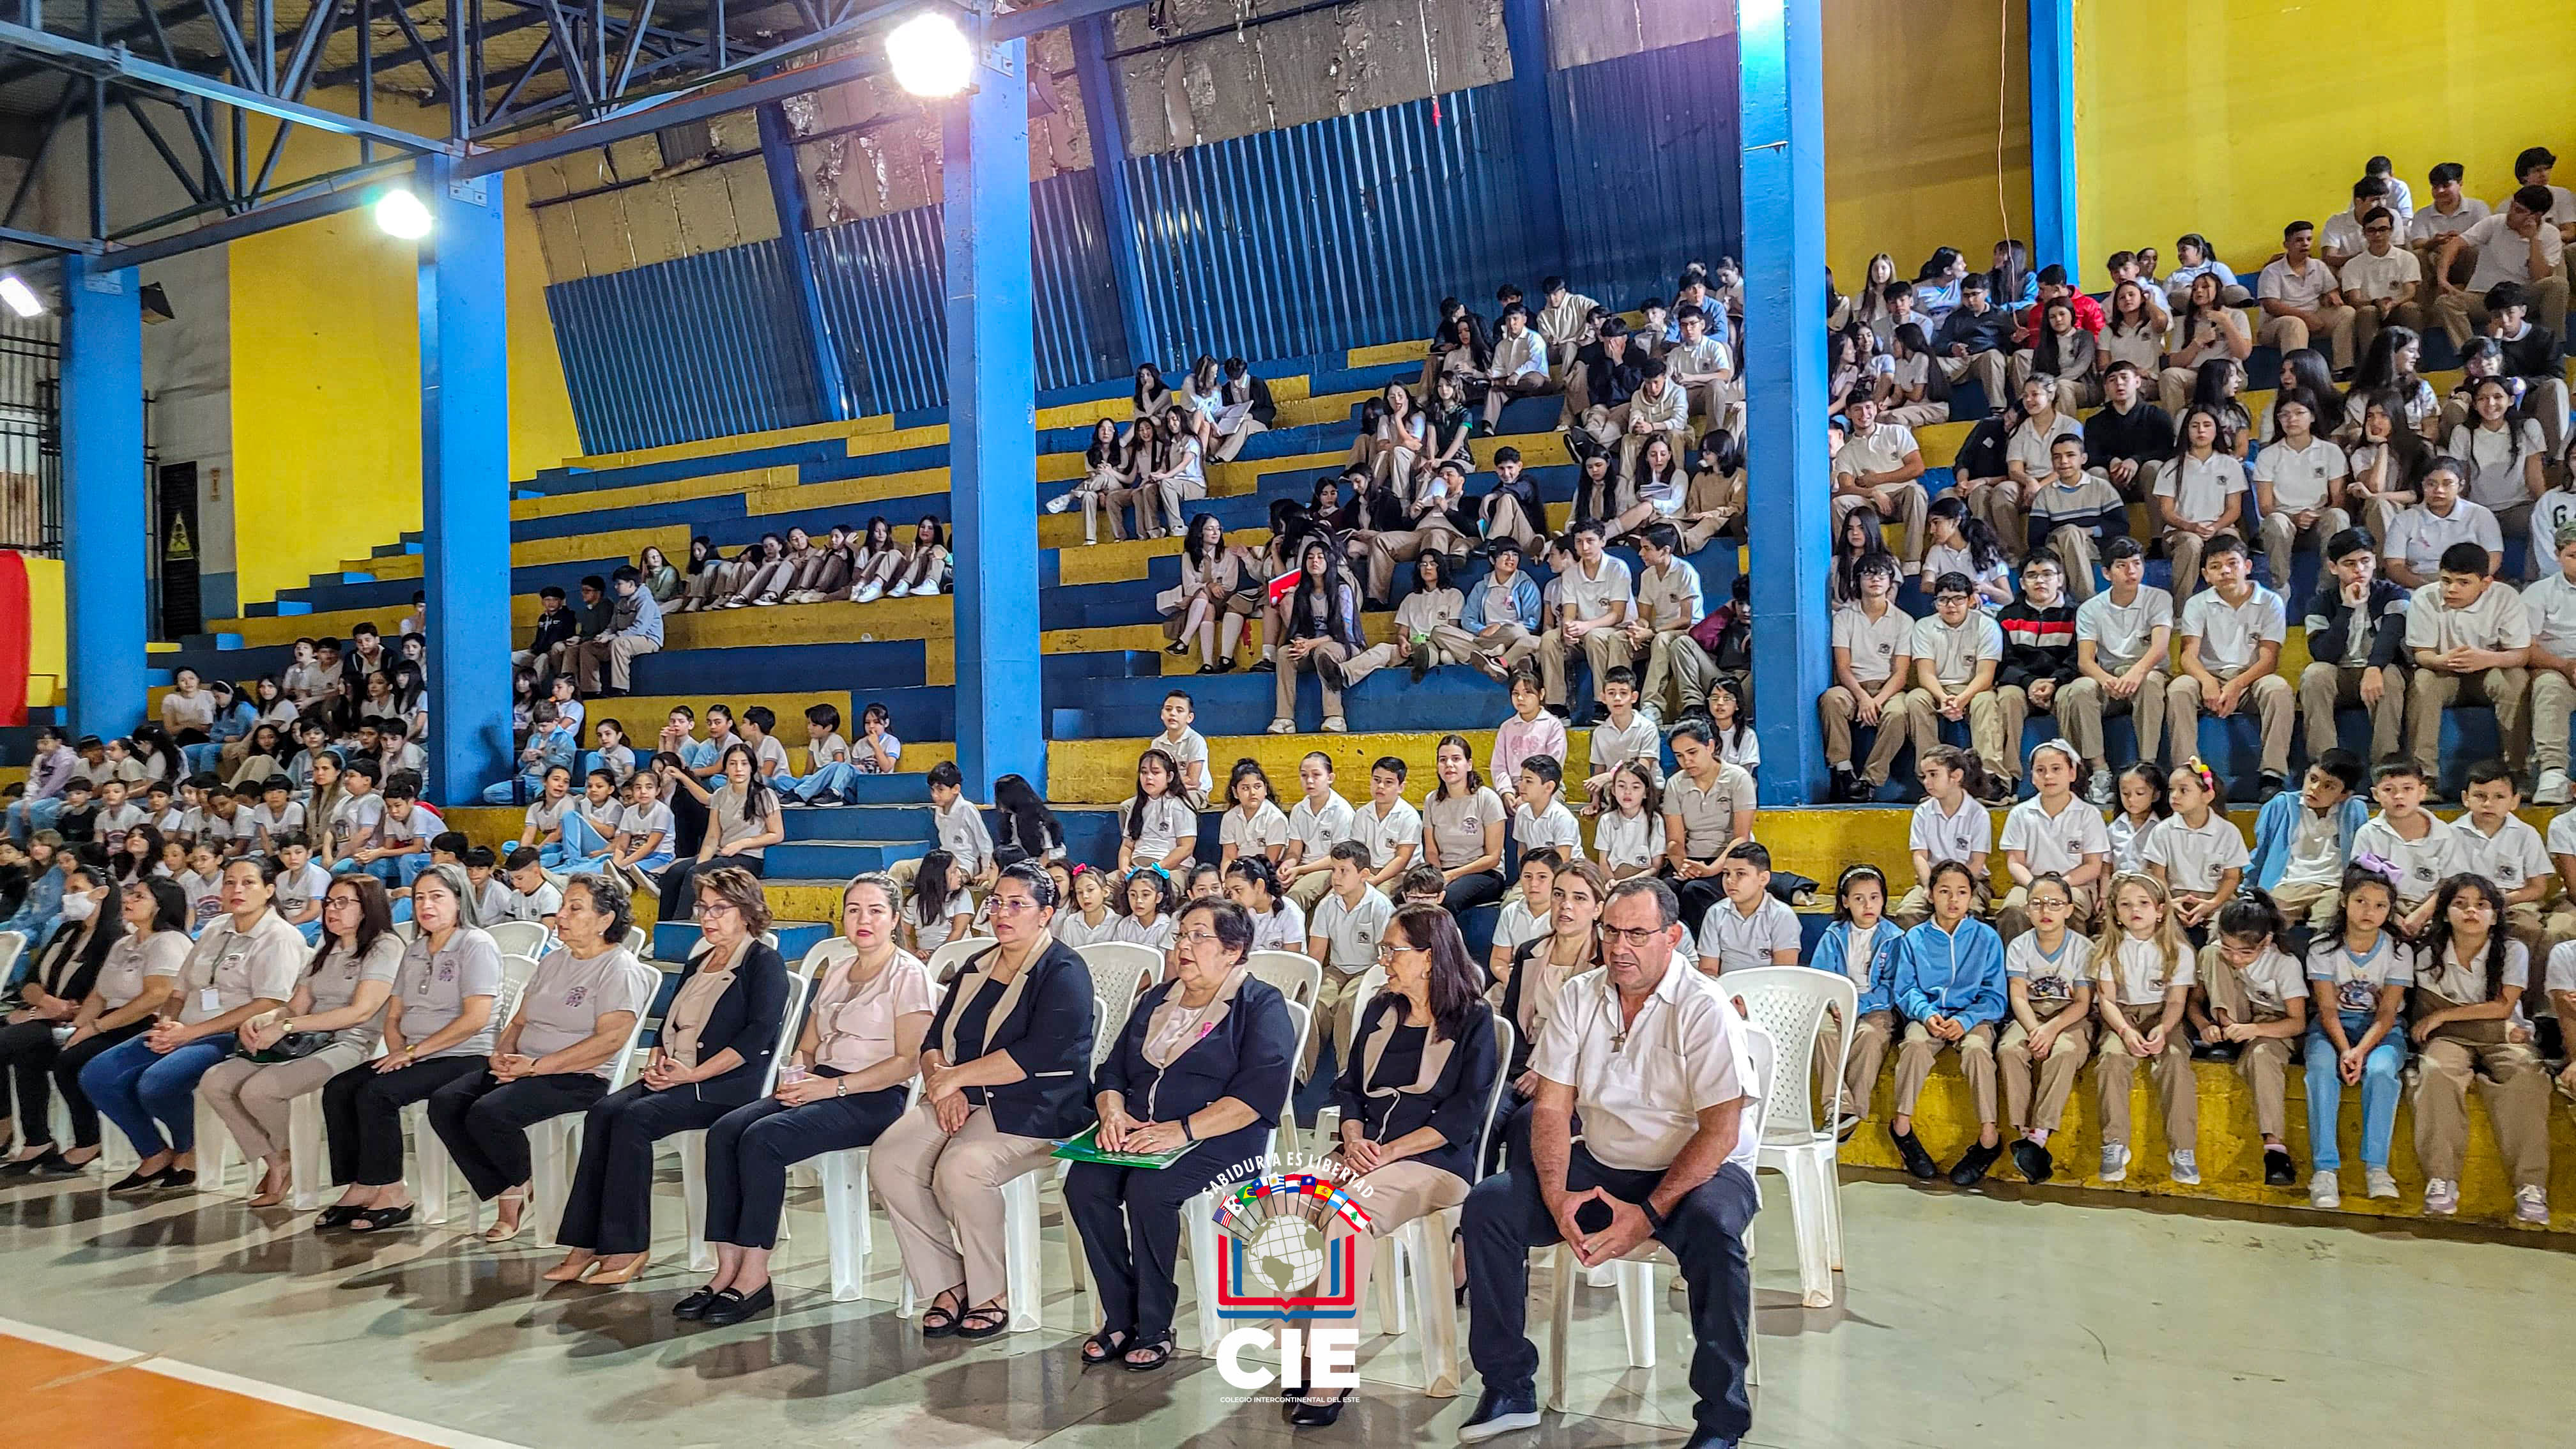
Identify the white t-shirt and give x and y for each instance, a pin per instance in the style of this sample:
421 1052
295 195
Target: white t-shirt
2357 979
1956 653
2494 459
1284 929
1350 932
2301 289
536 905
2504 256
1517 925
2465 983
2272 981
644 822
2496 619
1384 835
2376 279
1319 830
933 934
2194 859
299 889
1966 834
2200 487
2230 633
2428 224
2513 857
1167 821
1136 933
2423 863
2055 842
2316 849
1881 449
2120 633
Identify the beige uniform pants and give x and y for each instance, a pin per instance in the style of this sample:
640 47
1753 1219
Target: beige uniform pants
1994 727
2115 1071
2282 536
2074 549
2289 334
1860 1070
1494 645
2055 1076
2464 314
1305 890
1386 550
2516 1088
616 655
1675 662
1603 649
2325 688
1289 669
2505 690
944 1193
1900 721
2264 1064
2271 698
2553 699
2314 904
1986 367
2082 704
2182 550
255 1099
1386 656
1999 503
1334 1003
1920 1049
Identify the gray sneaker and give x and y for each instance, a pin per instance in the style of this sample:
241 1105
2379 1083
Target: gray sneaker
2382 1183
2115 1162
2103 789
2441 1197
2186 1167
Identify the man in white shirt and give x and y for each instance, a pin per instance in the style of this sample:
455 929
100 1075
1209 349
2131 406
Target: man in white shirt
2121 640
1881 465
1666 1078
2470 639
2550 606
1873 643
2414 547
2452 211
1702 366
2382 282
1594 598
1519 365
2301 299
2516 245
2232 632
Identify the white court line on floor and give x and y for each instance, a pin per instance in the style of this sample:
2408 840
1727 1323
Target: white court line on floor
117 1356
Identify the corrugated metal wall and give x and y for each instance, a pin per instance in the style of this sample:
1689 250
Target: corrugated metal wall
1647 154
700 347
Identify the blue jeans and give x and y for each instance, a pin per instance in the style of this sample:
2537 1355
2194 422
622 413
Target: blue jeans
518 790
832 782
578 843
142 1091
651 865
202 759
398 870
2378 1093
26 817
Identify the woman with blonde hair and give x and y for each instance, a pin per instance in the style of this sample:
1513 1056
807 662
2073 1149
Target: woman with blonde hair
2143 972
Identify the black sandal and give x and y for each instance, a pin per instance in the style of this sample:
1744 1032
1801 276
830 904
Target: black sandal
377 1220
1103 1346
983 1322
338 1215
1160 1348
939 1320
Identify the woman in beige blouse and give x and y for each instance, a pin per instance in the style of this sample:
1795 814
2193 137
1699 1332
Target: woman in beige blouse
342 996
845 1086
1462 829
1194 612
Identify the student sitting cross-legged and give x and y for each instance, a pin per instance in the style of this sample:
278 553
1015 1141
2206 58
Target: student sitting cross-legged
1950 989
2252 1002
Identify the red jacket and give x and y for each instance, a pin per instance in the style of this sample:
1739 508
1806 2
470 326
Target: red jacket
2088 315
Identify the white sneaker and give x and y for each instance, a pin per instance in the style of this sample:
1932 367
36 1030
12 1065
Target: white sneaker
1283 726
765 601
2115 1162
1334 724
2186 1167
2381 1183
2103 789
899 591
867 594
2324 1191
2441 1197
2553 788
1059 503
2531 1205
1652 713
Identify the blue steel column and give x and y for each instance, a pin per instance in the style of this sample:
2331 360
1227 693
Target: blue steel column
1782 100
2057 233
787 190
465 479
992 422
106 541
1534 132
1108 118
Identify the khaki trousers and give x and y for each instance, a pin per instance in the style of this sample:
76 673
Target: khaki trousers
2553 699
2182 550
2464 314
1305 890
2369 317
616 655
2082 704
1860 1070
1386 656
1919 1050
2072 392
1386 550
2504 690
255 1099
2074 548
2115 1070
2516 1088
2289 334
2264 1064
1986 367
1334 1004
944 1192
1488 647
1994 728
1289 669
1674 660
2055 1076
1505 518
1603 649
2282 535
2314 904
1901 720
2272 699
2325 688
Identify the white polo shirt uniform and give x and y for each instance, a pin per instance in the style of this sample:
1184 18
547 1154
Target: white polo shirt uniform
1880 450
1385 834
1956 653
1351 933
1318 831
2195 859
2056 842
2299 476
2121 632
1874 644
2513 857
2419 535
1966 834
2423 863
2200 487
1736 941
2230 634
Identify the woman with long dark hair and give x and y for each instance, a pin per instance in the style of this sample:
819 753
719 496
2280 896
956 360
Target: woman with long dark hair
54 993
1322 630
743 821
1029 830
1105 474
1462 828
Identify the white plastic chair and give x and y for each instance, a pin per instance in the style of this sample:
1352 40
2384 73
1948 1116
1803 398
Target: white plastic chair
692 1145
943 963
1328 1118
1790 1002
433 1171
640 942
1147 963
1198 1220
1418 1253
520 938
1119 970
554 1145
1635 1274
13 944
848 1225
1298 976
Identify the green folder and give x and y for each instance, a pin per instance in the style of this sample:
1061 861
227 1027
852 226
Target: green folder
1084 1149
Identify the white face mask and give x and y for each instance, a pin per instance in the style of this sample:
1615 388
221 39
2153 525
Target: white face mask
79 907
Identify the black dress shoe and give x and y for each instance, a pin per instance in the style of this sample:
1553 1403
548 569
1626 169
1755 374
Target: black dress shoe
2032 1160
1315 1416
51 1159
1974 1164
176 1178
695 1305
135 1181
2277 1170
1917 1161
731 1307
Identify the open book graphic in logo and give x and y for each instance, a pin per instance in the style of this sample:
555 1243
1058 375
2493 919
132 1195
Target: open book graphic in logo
1280 1260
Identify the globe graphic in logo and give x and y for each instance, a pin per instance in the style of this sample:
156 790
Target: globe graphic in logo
1285 1255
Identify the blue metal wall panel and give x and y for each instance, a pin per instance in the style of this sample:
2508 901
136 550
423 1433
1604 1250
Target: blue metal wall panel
699 347
1080 335
1338 233
1648 154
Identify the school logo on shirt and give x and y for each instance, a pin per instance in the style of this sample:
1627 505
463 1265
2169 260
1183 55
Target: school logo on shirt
575 996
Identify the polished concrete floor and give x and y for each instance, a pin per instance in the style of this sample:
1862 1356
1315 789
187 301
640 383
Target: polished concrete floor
1963 1320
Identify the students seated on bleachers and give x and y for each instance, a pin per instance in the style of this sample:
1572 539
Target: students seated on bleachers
2469 1021
2038 656
2517 245
2143 966
2356 623
1873 642
2206 330
2424 532
2200 495
1881 465
1971 341
2074 511
1950 989
2048 981
2359 970
1320 630
1708 806
2508 852
2298 481
2550 607
2302 299
2501 456
2062 350
1956 654
2470 639
2231 634
2383 282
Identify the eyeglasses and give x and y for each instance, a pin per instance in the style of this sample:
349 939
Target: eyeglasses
1388 950
1012 905
707 910
1612 935
1197 938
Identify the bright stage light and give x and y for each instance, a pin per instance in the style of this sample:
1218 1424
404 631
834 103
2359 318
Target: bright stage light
22 299
930 55
401 214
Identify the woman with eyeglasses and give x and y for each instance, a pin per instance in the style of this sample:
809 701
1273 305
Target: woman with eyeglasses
1004 1063
717 1039
1203 1065
97 983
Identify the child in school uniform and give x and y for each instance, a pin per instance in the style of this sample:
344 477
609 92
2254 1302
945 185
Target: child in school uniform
1862 944
2143 973
1088 918
1629 836
2359 973
2048 982
2053 833
1254 826
1626 737
2142 807
1949 824
2198 496
1541 820
1748 926
2505 850
1187 748
1524 916
1950 989
2197 854
2252 1000
2421 849
2469 1022
2303 840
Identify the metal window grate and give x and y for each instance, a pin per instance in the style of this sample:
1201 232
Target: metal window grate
31 443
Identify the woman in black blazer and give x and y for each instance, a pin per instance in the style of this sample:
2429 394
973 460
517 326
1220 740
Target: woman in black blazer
1413 1097
1003 1072
1205 1062
717 1040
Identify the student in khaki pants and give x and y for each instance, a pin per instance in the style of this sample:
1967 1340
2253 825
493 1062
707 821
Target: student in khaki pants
2253 995
1863 944
2469 639
2470 977
2143 966
2049 975
1950 987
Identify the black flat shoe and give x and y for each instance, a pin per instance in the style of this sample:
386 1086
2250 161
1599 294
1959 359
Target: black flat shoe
731 1307
2032 1161
49 1160
377 1220
1316 1416
1974 1164
338 1215
135 1181
696 1304
1917 1161
1291 1395
177 1178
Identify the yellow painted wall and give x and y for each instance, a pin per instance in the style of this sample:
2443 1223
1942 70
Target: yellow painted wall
2281 117
1914 92
48 652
